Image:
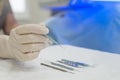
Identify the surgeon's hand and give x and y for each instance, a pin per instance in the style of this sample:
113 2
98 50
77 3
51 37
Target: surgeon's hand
26 41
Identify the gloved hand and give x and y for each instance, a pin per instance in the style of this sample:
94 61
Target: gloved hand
24 42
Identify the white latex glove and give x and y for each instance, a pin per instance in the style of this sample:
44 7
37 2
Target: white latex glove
24 42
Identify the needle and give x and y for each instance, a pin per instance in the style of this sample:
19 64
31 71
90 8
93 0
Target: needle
55 42
53 67
63 66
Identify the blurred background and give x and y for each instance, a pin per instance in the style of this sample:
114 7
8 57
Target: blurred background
82 24
29 11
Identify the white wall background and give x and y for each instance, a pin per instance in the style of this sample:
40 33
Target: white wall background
30 12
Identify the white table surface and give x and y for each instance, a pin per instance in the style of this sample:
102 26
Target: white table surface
106 65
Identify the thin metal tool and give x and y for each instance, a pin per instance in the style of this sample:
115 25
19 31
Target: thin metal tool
69 64
56 68
63 66
74 64
55 42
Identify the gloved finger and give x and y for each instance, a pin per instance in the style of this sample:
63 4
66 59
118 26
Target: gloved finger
26 57
31 47
27 46
30 56
20 51
31 38
31 29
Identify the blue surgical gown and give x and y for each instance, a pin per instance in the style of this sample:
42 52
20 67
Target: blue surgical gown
96 27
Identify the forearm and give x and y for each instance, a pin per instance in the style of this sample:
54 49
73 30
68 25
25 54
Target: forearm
8 18
10 23
4 50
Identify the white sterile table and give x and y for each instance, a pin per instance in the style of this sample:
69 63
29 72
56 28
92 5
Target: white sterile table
104 66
